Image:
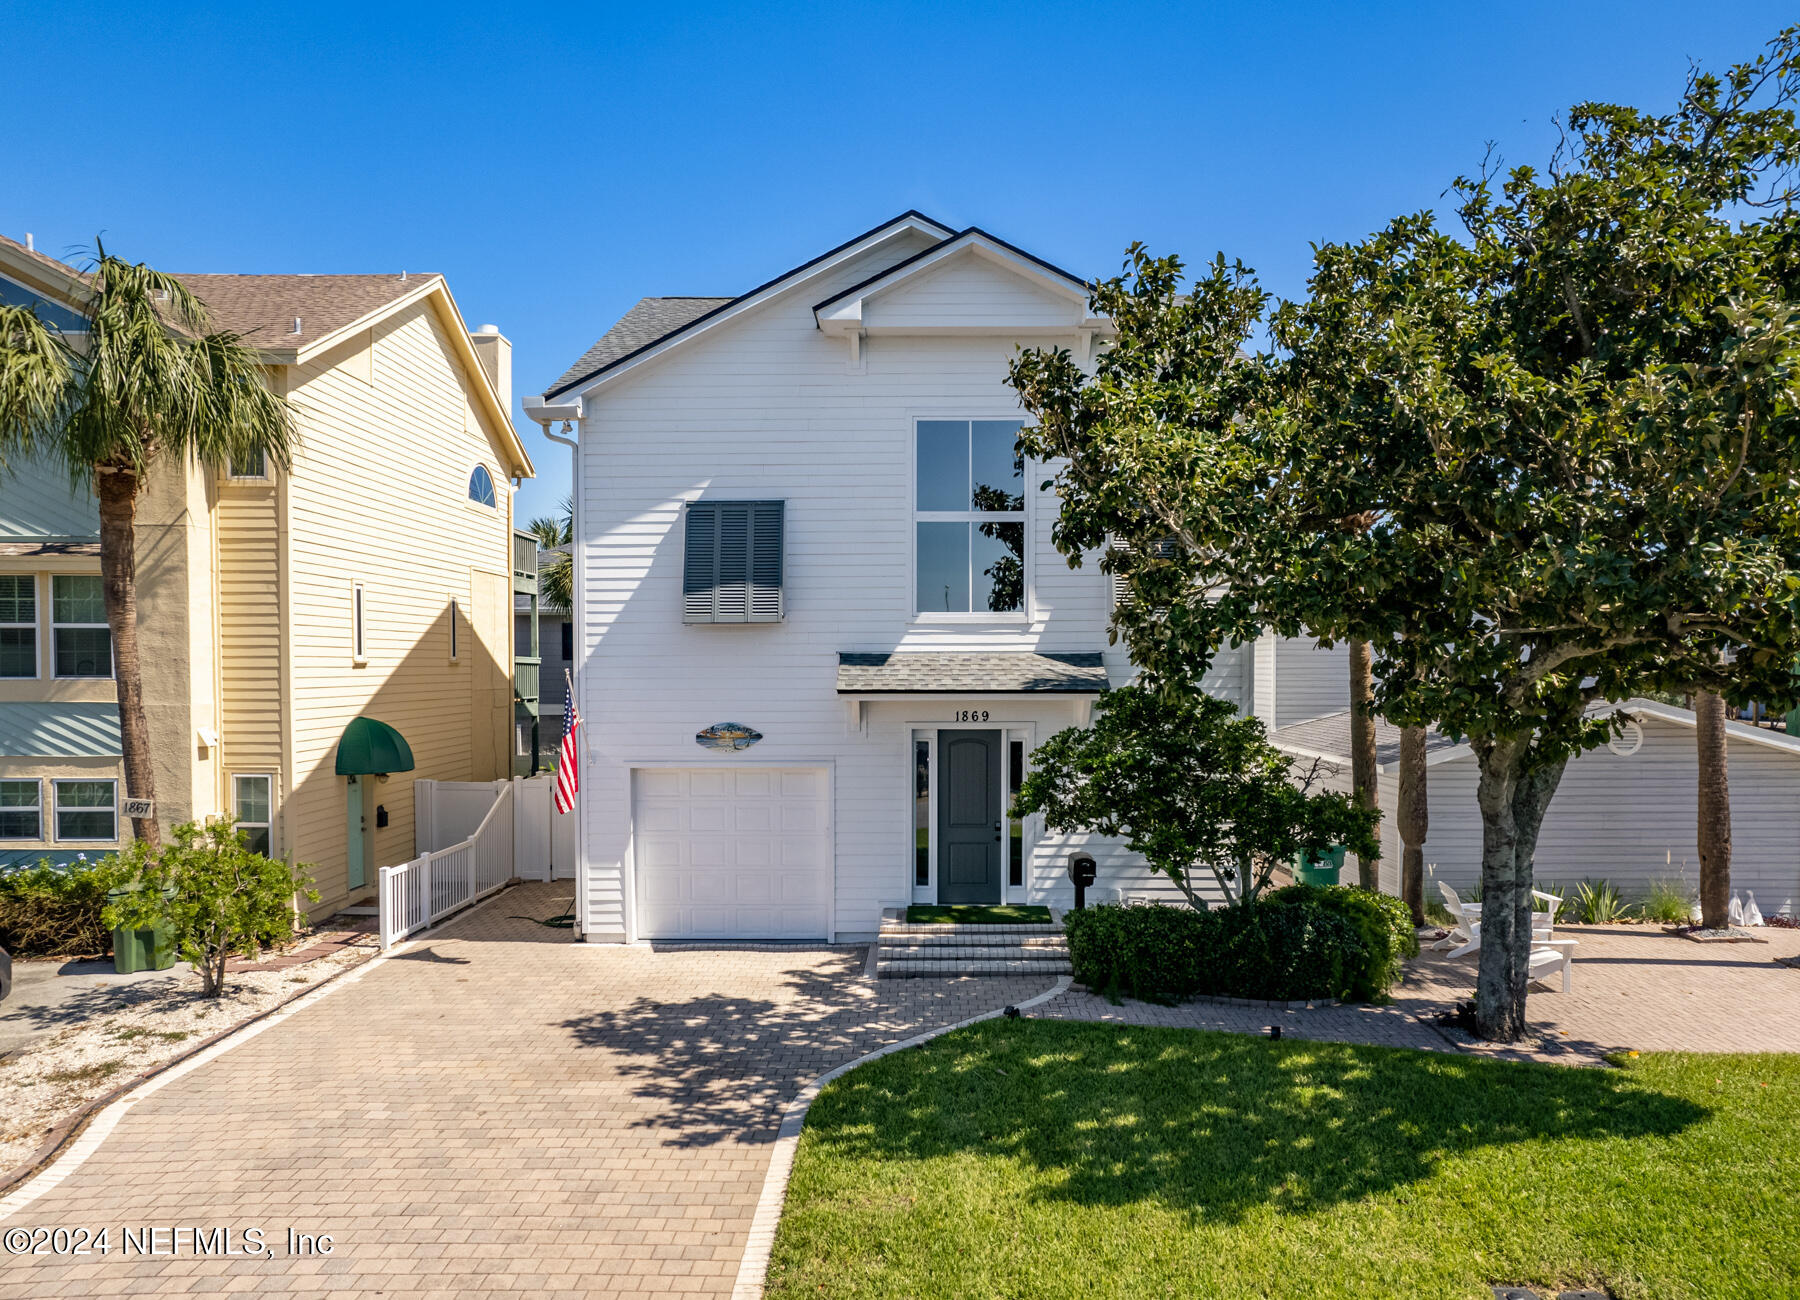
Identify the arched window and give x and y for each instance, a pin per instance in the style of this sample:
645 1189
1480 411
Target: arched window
481 486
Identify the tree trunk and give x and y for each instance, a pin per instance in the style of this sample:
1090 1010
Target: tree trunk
1513 802
117 491
1714 811
1362 750
1413 820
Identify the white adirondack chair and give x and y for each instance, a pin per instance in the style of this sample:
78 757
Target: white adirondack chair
1548 953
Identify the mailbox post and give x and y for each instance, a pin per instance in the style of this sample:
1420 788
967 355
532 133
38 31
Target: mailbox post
1082 870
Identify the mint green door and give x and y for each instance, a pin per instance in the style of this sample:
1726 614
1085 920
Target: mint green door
356 834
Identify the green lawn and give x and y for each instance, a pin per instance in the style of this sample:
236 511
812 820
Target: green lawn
1031 1158
977 914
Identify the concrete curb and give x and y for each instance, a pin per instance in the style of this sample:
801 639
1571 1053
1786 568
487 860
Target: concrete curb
753 1269
78 1137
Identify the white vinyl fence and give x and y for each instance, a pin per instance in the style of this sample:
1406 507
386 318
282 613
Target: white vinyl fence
447 812
420 893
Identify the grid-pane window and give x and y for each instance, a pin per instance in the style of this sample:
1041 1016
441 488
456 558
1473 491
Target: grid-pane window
969 539
87 810
250 804
21 810
81 639
18 625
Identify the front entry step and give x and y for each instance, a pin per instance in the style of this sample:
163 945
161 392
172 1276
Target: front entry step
908 951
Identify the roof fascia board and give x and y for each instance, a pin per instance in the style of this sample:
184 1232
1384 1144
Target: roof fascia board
1685 718
907 222
848 303
41 272
435 289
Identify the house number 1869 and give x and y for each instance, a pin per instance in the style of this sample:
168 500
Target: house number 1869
969 715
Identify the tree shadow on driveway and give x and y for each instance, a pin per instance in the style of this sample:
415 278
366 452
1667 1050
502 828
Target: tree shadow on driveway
720 1067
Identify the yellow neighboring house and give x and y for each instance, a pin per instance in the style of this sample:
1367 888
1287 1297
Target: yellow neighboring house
279 611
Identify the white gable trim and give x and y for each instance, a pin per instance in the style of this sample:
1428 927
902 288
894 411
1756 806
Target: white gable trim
843 314
912 222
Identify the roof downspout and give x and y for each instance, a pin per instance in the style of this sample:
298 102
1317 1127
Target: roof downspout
569 415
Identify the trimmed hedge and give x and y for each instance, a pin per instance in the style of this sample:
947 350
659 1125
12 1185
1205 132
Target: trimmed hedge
1303 942
50 911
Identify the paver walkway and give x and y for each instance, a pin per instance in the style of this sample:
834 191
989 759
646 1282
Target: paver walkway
1636 987
495 1111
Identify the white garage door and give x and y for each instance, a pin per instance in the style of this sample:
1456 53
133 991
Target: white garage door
731 852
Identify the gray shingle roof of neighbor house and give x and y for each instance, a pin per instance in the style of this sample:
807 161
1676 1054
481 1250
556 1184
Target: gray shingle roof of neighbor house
651 321
933 672
59 729
263 308
1328 737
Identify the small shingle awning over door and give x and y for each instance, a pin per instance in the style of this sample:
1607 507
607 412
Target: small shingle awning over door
947 674
370 747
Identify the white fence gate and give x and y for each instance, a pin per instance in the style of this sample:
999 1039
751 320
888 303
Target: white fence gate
420 893
447 812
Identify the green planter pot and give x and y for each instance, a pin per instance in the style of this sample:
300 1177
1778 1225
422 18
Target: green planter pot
1320 870
152 948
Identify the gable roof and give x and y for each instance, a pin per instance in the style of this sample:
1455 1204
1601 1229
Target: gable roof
648 323
577 375
262 308
973 237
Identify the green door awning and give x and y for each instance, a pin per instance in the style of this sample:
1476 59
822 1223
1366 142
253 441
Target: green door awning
369 747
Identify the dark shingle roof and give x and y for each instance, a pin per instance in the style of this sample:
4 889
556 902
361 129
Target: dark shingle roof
933 672
263 307
651 321
1329 737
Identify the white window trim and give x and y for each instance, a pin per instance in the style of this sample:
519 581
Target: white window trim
253 480
269 779
493 482
37 629
56 814
359 625
455 629
112 651
39 783
1011 618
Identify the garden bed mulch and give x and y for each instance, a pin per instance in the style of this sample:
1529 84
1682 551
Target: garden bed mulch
50 1082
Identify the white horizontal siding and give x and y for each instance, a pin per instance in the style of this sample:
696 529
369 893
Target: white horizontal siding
1310 680
1632 820
969 291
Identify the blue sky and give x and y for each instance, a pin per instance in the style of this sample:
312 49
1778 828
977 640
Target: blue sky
558 163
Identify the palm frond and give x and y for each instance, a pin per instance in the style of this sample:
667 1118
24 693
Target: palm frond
34 382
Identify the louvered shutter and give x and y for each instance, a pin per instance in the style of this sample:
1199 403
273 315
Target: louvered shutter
1121 589
732 565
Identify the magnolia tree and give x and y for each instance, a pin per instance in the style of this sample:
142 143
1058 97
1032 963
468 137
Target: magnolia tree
1548 464
1192 785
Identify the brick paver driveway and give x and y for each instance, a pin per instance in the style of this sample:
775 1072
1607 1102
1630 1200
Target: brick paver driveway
495 1110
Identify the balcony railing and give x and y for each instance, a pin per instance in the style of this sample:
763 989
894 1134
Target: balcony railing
525 680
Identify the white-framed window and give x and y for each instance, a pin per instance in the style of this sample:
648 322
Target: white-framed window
22 809
481 487
252 804
969 518
252 466
87 810
80 640
359 641
455 628
18 625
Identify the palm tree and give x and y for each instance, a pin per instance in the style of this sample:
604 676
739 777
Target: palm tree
556 581
149 382
1413 817
1714 811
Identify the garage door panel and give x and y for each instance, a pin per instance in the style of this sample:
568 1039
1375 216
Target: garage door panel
732 853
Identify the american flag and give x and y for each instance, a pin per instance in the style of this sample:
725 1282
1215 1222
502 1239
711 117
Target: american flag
568 764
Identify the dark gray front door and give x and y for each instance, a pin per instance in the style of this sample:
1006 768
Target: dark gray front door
969 816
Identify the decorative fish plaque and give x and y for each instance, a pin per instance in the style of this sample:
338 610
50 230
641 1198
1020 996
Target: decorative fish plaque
727 736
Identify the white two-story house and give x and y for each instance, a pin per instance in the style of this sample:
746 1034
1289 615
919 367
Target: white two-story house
821 625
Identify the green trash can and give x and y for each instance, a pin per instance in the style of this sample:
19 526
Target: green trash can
1321 869
152 948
